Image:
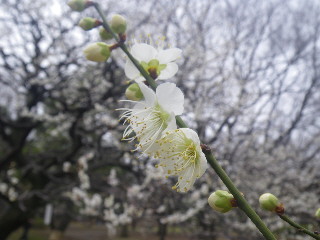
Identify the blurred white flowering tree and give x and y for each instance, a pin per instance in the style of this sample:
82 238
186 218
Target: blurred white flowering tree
251 84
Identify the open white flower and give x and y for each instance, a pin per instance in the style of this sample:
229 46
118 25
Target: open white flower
180 155
149 118
159 63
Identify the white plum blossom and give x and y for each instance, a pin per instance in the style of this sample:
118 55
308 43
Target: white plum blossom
180 155
204 189
83 160
112 179
3 188
12 194
76 196
84 179
92 205
149 118
109 201
161 209
12 176
159 63
66 167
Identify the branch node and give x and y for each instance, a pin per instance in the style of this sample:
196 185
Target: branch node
205 148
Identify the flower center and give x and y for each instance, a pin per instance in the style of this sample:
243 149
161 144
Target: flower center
153 67
160 114
190 153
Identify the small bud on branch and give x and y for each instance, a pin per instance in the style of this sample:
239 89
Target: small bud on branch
97 52
221 201
89 23
118 24
79 5
104 34
134 93
271 203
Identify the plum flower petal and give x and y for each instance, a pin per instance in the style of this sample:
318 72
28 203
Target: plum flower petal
131 71
174 103
170 70
159 63
143 52
169 55
148 119
180 155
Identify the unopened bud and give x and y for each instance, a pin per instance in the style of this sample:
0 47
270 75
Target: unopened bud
118 24
133 92
89 23
97 52
318 213
104 34
269 202
79 5
221 201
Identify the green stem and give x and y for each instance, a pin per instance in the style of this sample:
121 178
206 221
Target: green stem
242 203
124 48
299 227
104 21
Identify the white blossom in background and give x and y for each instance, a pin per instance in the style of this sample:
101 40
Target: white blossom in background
83 160
135 191
112 231
149 118
92 205
180 217
109 201
66 166
204 189
112 179
12 176
40 115
117 219
84 179
159 63
12 194
161 209
180 155
83 164
76 195
3 188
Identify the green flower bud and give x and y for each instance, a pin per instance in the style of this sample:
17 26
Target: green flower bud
318 213
133 92
221 201
97 52
78 5
104 35
89 23
269 202
118 24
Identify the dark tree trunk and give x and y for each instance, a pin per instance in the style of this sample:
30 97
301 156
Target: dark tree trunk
207 231
124 231
162 230
12 219
62 216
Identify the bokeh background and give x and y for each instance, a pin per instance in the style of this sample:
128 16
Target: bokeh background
250 75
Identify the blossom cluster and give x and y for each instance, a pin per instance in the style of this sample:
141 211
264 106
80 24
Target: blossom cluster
91 205
152 119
